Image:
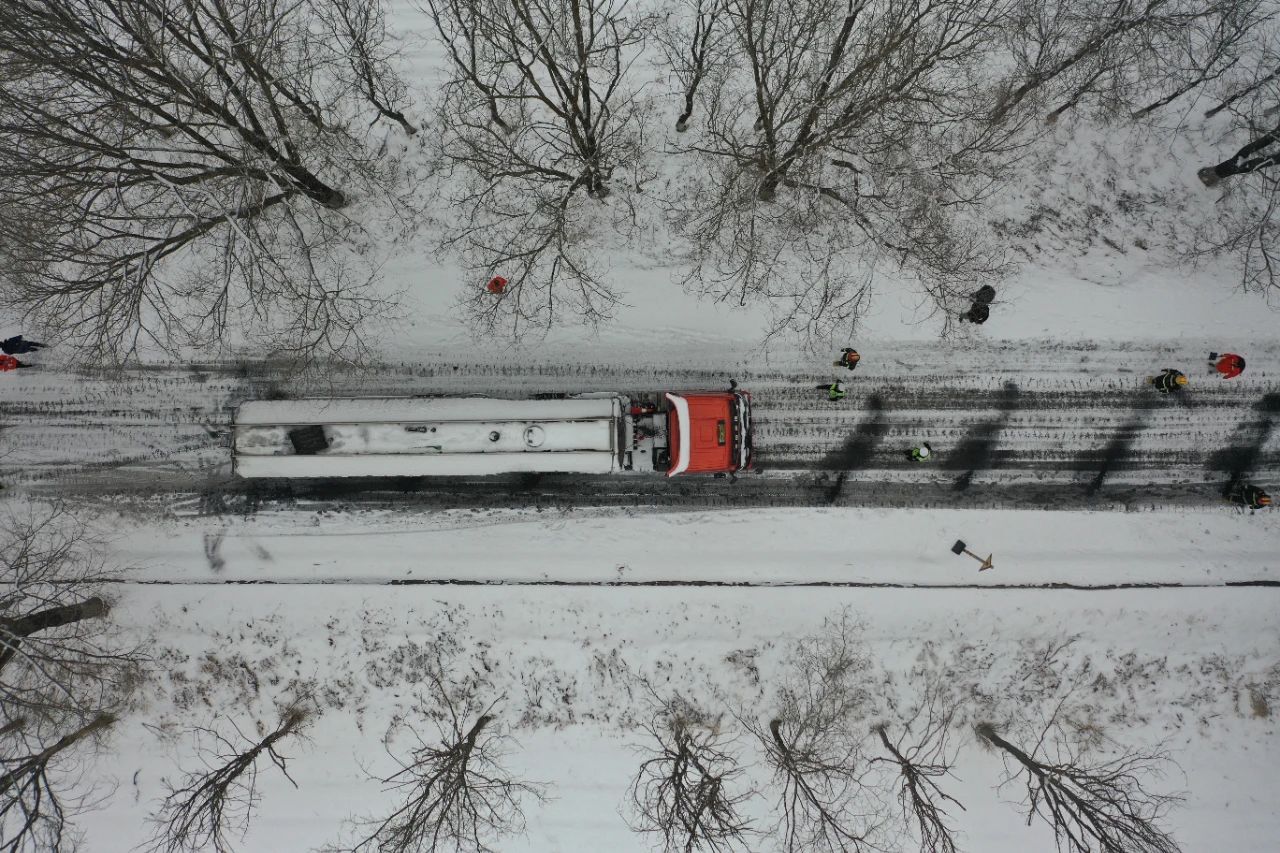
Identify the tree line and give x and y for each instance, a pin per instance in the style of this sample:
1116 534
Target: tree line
184 173
821 760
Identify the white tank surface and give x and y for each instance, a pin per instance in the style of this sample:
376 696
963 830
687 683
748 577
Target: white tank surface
421 409
534 437
421 436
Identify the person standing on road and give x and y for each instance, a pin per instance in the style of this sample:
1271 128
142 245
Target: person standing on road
835 390
921 453
977 314
980 310
18 345
1169 380
1228 364
849 358
1249 496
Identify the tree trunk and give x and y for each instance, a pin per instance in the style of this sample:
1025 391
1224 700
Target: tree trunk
682 123
775 728
315 188
989 733
12 631
769 187
13 777
1239 165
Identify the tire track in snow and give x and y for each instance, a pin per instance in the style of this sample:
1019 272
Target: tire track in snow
1077 434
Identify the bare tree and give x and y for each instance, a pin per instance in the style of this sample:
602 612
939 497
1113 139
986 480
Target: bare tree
692 39
173 171
689 791
1246 234
922 756
1092 804
1264 72
1260 153
826 797
217 801
60 662
1114 55
1208 48
543 124
1243 233
34 811
360 28
842 138
457 794
63 672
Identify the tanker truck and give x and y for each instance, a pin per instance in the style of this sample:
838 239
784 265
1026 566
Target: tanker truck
677 434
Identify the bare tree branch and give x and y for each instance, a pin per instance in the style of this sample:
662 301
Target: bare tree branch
1243 233
169 174
542 124
361 29
217 801
923 757
60 662
688 790
457 794
842 138
826 799
1091 804
691 41
33 809
1114 55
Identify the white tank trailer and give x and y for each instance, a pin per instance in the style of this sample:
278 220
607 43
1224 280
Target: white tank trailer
674 433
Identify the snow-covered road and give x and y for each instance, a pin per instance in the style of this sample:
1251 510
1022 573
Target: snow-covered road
843 547
1021 426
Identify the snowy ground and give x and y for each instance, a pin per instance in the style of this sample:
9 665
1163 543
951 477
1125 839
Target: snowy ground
1186 668
250 600
252 613
248 606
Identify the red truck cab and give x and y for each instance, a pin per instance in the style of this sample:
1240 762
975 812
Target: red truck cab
708 432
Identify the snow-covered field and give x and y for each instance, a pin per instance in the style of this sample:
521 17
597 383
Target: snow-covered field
565 667
565 607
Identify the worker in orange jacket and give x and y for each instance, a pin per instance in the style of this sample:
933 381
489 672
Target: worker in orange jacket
8 362
1249 496
848 358
1228 364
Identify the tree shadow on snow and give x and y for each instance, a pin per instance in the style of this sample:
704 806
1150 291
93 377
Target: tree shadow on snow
976 450
1240 457
1116 451
857 450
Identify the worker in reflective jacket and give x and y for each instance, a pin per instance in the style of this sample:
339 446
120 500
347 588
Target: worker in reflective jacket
921 453
1249 495
1169 380
835 390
